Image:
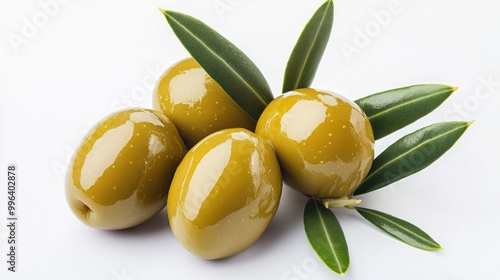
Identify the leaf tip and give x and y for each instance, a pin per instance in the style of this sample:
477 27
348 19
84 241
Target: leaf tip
344 271
435 248
453 89
163 11
469 123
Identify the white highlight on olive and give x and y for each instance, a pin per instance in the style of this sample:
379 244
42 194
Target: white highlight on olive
146 117
155 145
302 119
189 87
104 152
202 182
328 99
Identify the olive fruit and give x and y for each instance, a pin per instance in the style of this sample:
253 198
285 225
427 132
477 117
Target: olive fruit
120 174
224 193
323 141
195 103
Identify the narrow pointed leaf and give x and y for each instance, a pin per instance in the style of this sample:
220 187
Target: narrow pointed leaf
400 229
411 154
224 62
309 49
394 109
326 236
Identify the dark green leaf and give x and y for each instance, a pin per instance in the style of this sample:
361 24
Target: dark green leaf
400 229
326 236
309 49
391 110
411 154
224 62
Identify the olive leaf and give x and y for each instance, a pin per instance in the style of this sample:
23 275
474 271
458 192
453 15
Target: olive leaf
393 109
326 236
224 62
400 229
308 51
411 154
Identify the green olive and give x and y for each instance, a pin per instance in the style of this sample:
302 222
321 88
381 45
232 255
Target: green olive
224 193
195 103
323 141
120 175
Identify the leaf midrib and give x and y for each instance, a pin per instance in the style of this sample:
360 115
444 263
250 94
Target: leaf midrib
409 151
330 243
399 226
408 103
220 59
316 35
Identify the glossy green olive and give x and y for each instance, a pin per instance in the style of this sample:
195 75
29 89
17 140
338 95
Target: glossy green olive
323 141
224 193
195 103
120 175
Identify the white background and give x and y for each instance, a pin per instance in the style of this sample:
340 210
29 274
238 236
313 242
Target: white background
65 67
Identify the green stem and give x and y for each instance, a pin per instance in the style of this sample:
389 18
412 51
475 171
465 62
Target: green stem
340 202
